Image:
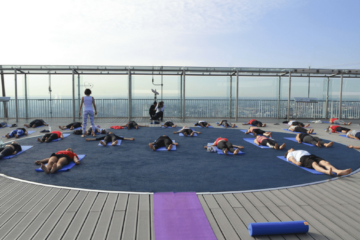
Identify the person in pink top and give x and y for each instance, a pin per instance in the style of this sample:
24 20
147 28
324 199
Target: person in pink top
264 141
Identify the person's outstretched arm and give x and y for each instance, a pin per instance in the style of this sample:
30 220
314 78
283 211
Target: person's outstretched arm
292 159
94 105
95 139
82 101
76 160
354 147
298 138
38 162
62 136
256 141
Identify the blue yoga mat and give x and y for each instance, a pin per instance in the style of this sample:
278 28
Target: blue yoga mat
346 137
251 140
294 132
166 127
271 228
164 149
109 143
310 170
78 128
24 148
294 140
64 168
64 136
182 135
202 127
221 152
228 127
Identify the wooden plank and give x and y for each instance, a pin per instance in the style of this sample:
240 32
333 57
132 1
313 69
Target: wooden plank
10 190
143 223
346 190
211 219
344 194
337 197
105 217
246 218
129 230
232 201
210 201
349 183
152 228
224 224
277 201
60 228
44 224
117 222
92 218
327 194
237 224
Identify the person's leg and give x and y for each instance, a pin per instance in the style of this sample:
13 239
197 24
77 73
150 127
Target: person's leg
114 140
6 152
328 166
106 140
168 143
222 146
85 116
310 139
159 143
43 139
273 143
59 164
91 114
230 147
52 136
52 160
339 122
69 125
11 134
321 169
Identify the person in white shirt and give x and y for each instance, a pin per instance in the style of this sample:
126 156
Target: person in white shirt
303 158
159 111
187 131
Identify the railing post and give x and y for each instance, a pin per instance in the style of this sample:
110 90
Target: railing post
288 111
183 105
26 98
237 96
341 87
79 91
327 98
16 98
278 114
130 107
230 97
181 93
73 93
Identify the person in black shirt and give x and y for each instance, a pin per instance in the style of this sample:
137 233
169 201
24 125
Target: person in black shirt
71 126
162 141
109 137
306 138
152 110
10 149
168 124
36 123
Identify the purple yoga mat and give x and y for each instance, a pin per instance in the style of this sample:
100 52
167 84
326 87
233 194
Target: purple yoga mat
179 216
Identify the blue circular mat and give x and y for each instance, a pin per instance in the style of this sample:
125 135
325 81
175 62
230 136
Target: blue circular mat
133 166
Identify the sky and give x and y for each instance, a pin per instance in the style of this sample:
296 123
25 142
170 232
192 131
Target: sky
221 33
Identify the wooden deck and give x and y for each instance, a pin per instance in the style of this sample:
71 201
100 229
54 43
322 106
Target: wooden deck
32 211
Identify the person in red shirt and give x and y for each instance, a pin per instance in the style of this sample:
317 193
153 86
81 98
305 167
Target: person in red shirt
339 122
51 136
336 128
224 145
255 122
57 160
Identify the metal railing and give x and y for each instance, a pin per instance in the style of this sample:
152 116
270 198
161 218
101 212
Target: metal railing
195 108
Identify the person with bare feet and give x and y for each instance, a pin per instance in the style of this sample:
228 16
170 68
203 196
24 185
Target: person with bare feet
225 146
303 158
17 133
133 124
162 141
306 138
257 131
187 131
168 124
354 134
264 141
299 124
226 124
3 124
109 137
336 128
254 122
354 147
202 124
51 136
71 126
338 121
300 129
57 160
36 123
10 149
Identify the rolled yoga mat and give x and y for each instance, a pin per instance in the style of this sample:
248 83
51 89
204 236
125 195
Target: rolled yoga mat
270 228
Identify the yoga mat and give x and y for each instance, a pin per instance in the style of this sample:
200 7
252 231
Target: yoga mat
244 131
346 137
294 140
251 140
202 127
24 148
29 132
64 136
220 152
131 128
182 135
179 216
310 170
325 121
223 126
165 127
109 143
78 128
64 168
271 228
164 149
294 132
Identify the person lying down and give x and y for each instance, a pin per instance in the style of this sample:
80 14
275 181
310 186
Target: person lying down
51 136
90 131
257 131
57 160
162 141
71 126
264 141
17 133
10 149
225 146
226 124
109 137
187 131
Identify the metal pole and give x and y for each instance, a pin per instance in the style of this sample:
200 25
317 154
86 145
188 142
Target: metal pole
161 85
327 99
129 75
288 112
79 91
278 114
237 96
3 93
309 85
230 96
16 98
183 105
50 94
73 93
181 93
26 98
341 87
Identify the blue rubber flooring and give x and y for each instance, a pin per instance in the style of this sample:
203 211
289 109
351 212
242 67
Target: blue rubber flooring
133 166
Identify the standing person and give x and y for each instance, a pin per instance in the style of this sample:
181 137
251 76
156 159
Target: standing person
152 110
159 111
88 101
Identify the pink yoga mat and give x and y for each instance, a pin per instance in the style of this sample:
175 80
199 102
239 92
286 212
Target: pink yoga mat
179 216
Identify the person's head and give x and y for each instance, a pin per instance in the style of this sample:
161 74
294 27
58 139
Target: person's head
103 131
69 149
87 92
109 132
14 142
289 151
161 104
155 103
